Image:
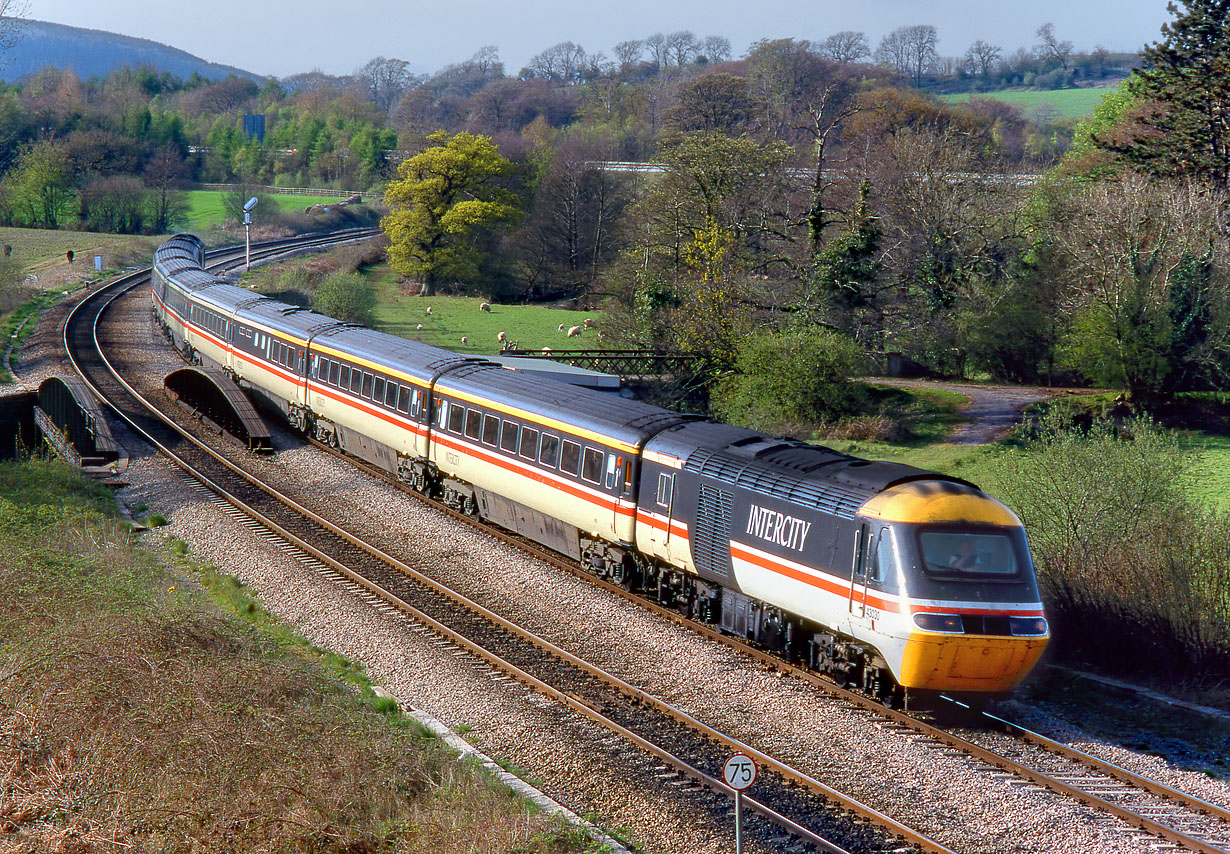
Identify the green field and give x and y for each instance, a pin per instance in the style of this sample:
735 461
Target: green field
1065 103
452 318
206 209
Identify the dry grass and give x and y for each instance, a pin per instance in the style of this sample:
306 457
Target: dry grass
135 715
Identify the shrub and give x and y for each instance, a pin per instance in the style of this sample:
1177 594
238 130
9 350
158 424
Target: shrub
346 296
1135 575
790 381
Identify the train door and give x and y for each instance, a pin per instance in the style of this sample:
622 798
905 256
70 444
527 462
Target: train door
863 557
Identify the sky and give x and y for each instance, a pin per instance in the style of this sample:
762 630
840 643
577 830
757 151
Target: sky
337 37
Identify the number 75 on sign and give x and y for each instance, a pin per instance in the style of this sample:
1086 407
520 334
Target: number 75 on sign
739 772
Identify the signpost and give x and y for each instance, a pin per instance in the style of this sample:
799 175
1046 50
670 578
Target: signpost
739 773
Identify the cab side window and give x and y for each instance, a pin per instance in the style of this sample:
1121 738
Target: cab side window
666 485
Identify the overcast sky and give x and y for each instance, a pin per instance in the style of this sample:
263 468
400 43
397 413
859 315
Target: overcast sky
336 37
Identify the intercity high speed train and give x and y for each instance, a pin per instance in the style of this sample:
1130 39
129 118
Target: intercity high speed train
889 577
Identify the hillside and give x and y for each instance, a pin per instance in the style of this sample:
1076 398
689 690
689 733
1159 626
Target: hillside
96 53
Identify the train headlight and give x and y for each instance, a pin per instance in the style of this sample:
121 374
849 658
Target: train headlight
947 623
1025 627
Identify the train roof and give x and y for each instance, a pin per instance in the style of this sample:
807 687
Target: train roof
569 408
299 323
784 468
181 257
394 354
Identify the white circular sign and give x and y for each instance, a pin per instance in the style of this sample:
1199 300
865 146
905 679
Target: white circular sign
739 772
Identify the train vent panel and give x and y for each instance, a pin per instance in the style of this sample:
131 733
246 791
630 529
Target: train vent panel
712 542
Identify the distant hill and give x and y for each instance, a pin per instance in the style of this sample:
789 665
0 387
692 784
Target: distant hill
93 53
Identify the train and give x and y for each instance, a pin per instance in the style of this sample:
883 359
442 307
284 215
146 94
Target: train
895 580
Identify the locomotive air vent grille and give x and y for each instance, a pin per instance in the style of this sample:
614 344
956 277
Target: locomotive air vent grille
711 547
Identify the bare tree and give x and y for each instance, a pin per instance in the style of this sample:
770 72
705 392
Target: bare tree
846 46
487 61
628 53
717 48
566 62
658 49
910 50
385 81
1051 48
682 46
11 13
982 57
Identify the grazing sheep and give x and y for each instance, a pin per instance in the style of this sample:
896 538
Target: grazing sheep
574 331
546 349
429 309
485 307
419 327
501 336
465 339
589 323
561 327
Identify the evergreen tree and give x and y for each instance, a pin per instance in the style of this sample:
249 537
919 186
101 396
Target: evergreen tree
1181 126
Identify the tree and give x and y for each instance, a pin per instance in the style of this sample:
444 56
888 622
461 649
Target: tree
628 54
11 13
345 296
1051 49
910 51
385 81
41 186
1179 127
717 48
682 46
982 57
165 175
116 204
446 205
846 46
713 102
1149 285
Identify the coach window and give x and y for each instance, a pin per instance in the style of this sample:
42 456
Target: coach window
611 462
591 467
390 394
570 458
367 385
474 423
508 439
529 443
334 373
403 399
344 376
456 417
491 430
378 392
666 484
549 454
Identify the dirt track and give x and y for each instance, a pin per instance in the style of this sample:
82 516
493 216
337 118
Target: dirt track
992 409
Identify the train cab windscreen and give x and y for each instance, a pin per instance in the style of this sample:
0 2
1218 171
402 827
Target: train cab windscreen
960 553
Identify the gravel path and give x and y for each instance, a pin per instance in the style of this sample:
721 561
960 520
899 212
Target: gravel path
958 801
992 410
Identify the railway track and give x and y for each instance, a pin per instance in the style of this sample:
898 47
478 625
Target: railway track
791 804
1181 821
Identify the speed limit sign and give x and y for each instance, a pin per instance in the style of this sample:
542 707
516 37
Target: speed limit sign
739 772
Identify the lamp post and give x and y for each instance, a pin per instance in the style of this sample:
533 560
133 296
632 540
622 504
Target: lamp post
247 231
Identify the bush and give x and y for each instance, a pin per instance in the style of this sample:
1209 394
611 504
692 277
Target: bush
1135 575
345 296
791 381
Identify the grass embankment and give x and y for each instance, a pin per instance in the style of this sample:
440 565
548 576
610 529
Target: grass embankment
157 709
1063 103
19 319
37 247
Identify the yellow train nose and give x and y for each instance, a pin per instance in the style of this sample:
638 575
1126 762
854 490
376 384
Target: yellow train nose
968 662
